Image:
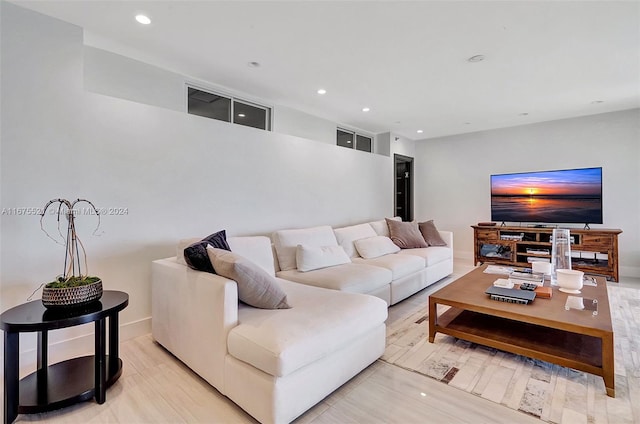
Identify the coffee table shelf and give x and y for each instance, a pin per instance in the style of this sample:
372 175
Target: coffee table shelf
548 344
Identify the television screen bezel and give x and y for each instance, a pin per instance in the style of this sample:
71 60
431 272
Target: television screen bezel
601 215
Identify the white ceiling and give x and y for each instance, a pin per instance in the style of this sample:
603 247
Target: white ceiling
407 61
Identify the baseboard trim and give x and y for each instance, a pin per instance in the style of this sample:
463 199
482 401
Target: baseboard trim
463 255
629 271
78 346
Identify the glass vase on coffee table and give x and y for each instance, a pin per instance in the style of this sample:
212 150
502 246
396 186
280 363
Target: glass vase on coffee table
560 252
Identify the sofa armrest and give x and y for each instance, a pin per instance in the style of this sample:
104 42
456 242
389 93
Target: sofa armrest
192 314
447 236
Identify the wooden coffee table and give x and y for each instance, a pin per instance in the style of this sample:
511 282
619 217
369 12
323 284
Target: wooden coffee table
543 329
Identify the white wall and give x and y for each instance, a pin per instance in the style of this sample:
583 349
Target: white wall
452 173
402 146
118 76
178 175
294 122
115 75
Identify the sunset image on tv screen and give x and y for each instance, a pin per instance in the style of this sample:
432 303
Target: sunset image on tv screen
565 196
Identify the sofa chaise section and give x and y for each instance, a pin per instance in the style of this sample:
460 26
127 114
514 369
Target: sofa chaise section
300 355
275 364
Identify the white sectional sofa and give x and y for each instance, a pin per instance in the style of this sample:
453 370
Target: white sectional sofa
276 364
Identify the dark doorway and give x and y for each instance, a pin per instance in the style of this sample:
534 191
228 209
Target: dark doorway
404 187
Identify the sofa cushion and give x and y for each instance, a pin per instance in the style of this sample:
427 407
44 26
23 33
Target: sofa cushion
257 249
430 233
255 286
351 277
406 234
196 255
381 227
432 255
287 241
309 258
372 247
281 342
346 236
399 265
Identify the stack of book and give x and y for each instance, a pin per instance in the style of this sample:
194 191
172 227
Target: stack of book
518 277
532 259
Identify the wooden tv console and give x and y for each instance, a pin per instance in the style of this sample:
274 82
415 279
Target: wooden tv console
593 251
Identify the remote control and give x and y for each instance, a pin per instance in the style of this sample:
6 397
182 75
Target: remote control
528 286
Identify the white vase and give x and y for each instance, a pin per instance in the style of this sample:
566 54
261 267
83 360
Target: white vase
570 280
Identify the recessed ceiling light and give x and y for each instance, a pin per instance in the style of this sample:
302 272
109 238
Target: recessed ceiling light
254 64
322 91
419 131
143 19
365 109
241 115
476 58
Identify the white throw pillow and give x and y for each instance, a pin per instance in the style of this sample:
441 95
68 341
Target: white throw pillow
309 258
374 247
347 235
286 242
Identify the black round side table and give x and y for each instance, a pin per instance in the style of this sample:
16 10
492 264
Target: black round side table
65 383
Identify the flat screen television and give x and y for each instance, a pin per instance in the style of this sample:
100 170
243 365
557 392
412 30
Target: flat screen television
565 196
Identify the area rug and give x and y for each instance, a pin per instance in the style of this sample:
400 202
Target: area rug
546 391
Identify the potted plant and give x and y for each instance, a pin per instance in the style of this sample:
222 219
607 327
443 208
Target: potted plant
73 287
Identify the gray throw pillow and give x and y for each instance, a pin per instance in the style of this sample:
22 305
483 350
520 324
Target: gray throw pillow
255 286
405 235
431 234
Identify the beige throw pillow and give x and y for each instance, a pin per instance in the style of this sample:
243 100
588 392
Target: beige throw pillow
374 247
431 234
405 235
255 286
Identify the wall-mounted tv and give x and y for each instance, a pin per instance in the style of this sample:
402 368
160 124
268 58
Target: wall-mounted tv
566 196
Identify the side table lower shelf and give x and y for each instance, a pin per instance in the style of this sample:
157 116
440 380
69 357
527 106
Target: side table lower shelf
68 382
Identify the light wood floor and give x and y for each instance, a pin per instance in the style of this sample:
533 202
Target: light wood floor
157 388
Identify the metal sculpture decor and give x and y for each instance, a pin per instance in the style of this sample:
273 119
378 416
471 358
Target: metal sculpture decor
72 287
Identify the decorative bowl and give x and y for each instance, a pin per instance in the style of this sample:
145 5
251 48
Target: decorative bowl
71 297
570 280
